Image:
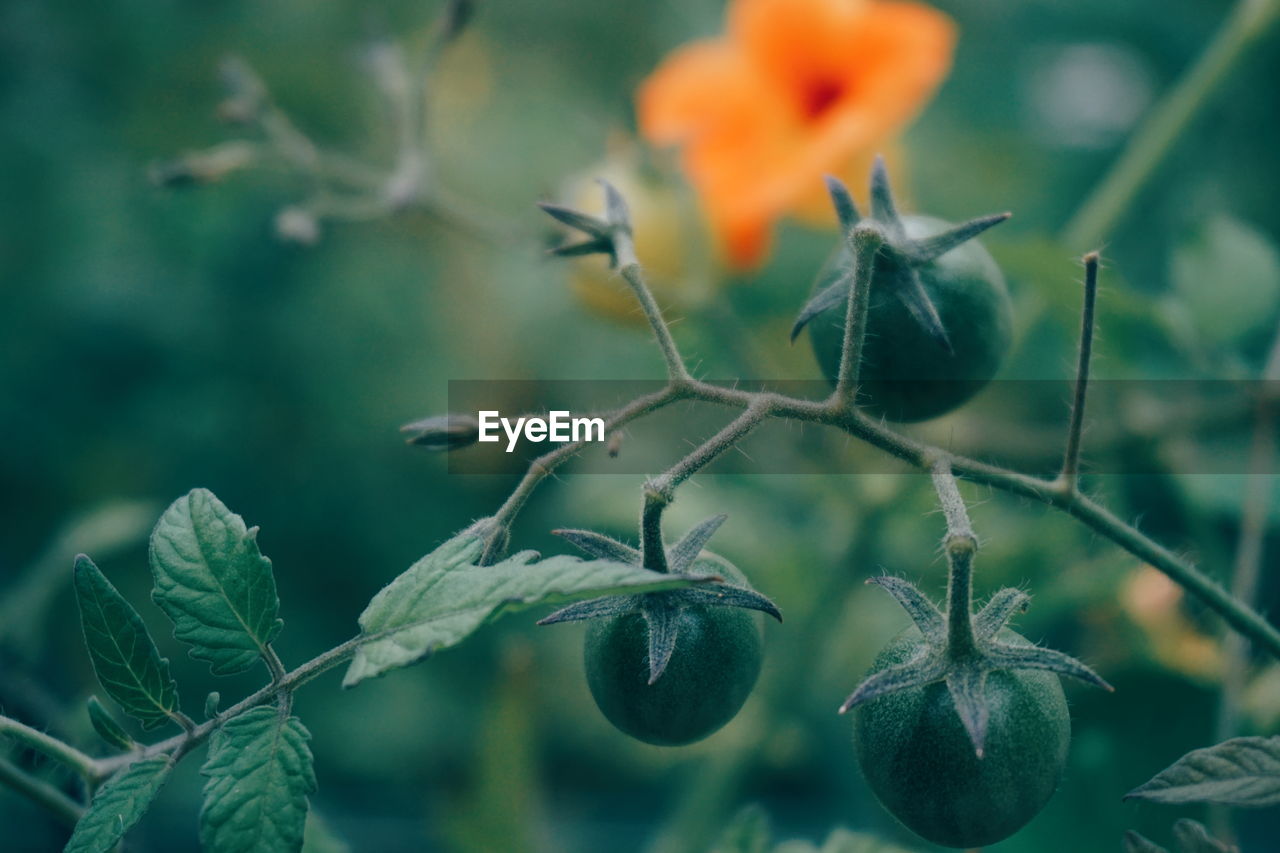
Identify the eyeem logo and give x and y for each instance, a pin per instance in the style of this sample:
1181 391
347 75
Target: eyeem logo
557 426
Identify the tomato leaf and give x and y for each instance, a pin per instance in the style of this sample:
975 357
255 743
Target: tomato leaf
107 727
443 598
259 774
125 658
119 804
214 583
1242 771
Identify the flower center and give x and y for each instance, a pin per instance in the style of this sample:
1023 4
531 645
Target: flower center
818 96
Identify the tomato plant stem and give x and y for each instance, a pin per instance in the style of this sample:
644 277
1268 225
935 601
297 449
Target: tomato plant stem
73 758
660 491
960 545
864 243
1069 477
676 369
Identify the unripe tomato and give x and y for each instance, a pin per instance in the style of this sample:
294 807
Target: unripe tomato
906 374
711 672
920 762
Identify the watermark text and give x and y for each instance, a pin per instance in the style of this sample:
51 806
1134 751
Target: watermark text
559 426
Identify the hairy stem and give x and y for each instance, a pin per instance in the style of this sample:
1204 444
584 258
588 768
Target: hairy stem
274 665
960 545
864 242
660 490
1098 214
1099 519
65 753
676 369
1068 479
542 467
40 792
292 680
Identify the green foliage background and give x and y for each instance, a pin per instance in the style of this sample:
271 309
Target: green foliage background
158 340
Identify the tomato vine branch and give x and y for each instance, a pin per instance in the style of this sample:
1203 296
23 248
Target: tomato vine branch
1068 479
960 545
834 413
50 746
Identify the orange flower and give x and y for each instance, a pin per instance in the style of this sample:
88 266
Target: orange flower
796 89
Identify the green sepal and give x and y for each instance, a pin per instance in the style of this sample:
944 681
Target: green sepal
898 259
601 234
660 609
965 674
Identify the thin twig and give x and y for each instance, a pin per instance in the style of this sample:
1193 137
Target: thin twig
676 369
1068 479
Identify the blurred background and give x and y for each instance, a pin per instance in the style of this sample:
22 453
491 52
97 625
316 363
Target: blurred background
264 336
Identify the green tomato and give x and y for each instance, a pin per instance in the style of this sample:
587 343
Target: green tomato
907 375
920 763
711 672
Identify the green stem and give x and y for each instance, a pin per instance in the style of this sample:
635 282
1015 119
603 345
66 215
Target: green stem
960 544
1098 214
82 764
660 491
662 333
1069 477
183 743
542 467
864 242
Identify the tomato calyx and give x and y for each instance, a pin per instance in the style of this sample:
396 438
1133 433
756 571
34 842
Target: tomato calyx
962 648
608 236
661 610
899 259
